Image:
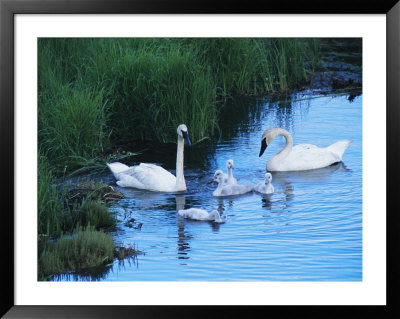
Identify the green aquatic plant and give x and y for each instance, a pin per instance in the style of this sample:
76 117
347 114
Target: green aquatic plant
83 249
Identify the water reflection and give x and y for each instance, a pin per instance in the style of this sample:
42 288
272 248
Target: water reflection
266 201
309 176
88 274
241 116
183 242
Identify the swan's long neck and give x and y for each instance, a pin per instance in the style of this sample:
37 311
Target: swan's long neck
289 143
180 178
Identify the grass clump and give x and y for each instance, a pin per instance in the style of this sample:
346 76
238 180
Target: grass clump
82 249
96 213
61 247
61 211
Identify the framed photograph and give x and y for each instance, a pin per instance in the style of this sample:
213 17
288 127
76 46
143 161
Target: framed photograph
165 154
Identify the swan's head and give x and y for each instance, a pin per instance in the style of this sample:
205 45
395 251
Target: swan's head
268 178
218 176
183 132
266 139
229 164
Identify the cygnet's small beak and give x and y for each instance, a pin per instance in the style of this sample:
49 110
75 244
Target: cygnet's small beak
185 136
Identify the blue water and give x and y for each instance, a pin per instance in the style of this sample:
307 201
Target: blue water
310 229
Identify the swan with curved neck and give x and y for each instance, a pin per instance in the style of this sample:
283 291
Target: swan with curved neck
153 177
200 214
302 156
265 187
228 190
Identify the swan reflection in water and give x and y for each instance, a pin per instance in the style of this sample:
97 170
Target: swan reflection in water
184 237
308 176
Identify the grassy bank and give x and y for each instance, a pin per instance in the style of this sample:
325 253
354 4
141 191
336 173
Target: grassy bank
94 93
72 224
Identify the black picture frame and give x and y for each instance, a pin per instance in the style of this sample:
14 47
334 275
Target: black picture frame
9 8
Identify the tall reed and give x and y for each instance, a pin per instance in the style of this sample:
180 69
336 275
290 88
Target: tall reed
155 90
98 92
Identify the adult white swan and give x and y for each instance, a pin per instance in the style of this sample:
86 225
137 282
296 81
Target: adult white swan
228 178
265 187
152 177
228 190
303 156
200 214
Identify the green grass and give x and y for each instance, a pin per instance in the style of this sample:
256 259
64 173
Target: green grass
94 93
49 202
62 216
83 249
61 211
96 214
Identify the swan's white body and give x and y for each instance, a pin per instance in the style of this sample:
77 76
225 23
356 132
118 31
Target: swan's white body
200 214
153 177
228 178
303 156
228 190
265 187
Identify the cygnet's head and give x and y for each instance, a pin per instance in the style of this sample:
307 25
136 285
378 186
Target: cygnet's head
183 132
217 216
218 176
229 164
268 178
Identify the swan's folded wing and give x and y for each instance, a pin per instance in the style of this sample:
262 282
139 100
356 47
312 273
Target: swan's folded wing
308 156
129 181
153 177
117 168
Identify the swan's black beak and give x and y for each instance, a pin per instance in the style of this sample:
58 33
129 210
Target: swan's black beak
185 136
263 146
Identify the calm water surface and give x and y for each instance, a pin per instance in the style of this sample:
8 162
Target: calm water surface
310 229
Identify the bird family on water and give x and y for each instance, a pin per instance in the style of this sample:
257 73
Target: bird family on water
291 158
